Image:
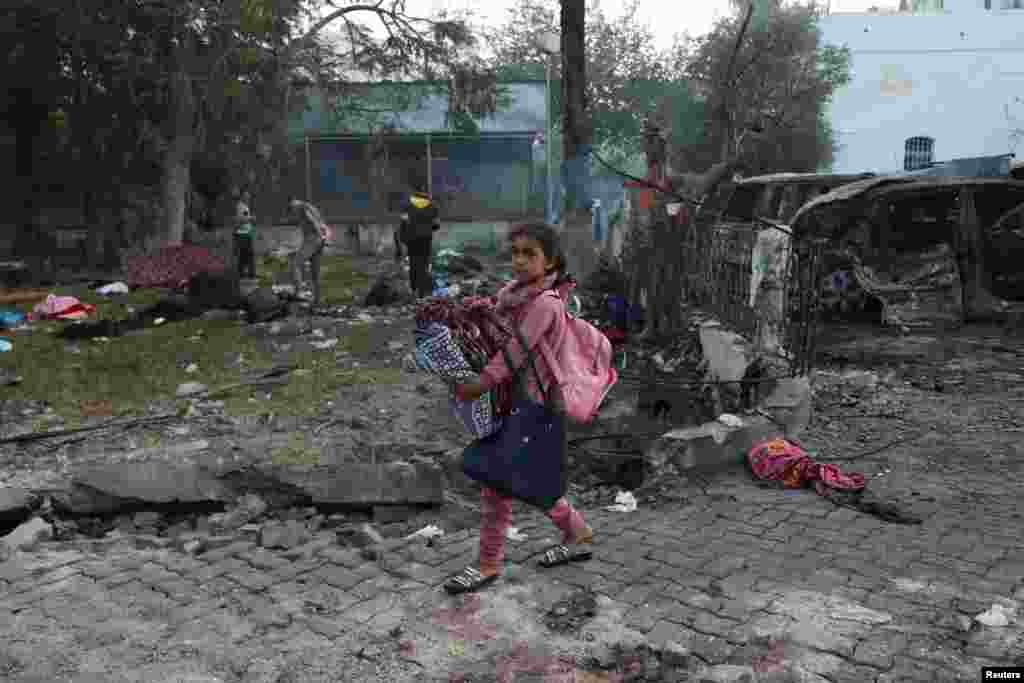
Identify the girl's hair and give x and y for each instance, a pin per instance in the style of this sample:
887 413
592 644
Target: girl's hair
550 243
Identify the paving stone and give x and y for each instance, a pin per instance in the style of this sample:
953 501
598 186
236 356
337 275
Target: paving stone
877 653
251 579
339 577
219 554
363 612
373 587
263 560
724 566
331 629
117 580
182 592
644 618
296 568
346 557
711 649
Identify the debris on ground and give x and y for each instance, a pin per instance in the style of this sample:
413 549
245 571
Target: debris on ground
569 615
61 308
113 289
624 502
28 535
10 318
997 616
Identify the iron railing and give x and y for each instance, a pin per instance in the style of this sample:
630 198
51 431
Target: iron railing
706 264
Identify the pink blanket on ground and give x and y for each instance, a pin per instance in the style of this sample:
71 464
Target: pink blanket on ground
784 461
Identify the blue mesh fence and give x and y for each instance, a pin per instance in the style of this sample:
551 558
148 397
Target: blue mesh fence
485 177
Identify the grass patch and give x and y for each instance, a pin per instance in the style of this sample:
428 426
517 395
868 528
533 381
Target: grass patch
339 281
121 375
296 452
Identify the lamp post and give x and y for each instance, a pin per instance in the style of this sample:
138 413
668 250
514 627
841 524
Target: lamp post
549 43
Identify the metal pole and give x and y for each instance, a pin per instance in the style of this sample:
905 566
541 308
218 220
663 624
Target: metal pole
430 168
309 174
548 143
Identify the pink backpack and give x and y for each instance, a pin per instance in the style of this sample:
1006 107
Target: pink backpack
582 368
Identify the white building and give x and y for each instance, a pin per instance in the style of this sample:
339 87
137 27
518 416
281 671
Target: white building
954 74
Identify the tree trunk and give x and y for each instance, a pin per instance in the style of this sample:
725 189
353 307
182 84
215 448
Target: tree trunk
177 161
31 243
577 236
174 187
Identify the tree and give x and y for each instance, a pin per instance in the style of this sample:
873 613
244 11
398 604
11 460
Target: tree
775 74
577 134
626 74
193 78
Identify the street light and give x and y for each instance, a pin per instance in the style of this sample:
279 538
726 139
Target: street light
550 43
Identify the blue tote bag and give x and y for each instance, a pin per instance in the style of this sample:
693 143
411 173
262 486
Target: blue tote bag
525 459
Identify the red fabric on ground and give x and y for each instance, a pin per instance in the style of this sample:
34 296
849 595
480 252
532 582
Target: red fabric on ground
784 461
172 266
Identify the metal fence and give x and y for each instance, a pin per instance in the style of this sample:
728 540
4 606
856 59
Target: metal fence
472 177
707 265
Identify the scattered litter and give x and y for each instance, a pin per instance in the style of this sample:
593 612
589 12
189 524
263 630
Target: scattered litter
730 420
10 318
997 616
318 333
190 389
191 368
5 344
61 308
427 532
324 345
288 290
160 321
513 534
571 613
113 289
624 502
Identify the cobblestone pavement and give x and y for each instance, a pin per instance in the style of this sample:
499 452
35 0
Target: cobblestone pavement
743 575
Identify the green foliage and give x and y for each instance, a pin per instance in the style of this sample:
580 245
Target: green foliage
625 74
782 79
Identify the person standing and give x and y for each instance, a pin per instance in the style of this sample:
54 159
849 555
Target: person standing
420 219
245 228
538 264
314 237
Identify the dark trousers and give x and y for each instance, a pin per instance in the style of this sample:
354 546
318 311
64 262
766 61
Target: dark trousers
245 256
419 262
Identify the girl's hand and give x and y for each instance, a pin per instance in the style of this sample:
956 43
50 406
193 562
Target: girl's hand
470 391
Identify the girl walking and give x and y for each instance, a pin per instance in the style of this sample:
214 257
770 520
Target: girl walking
538 264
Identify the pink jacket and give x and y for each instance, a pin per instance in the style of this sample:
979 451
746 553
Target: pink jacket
542 318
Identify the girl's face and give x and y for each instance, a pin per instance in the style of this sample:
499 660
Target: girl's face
529 262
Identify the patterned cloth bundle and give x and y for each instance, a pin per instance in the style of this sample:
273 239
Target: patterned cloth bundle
454 341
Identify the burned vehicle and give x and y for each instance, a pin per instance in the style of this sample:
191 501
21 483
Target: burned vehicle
777 196
922 250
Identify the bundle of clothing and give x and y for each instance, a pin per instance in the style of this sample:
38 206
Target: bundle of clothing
454 341
785 462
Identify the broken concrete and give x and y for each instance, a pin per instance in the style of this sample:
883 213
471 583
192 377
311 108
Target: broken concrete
287 535
727 354
789 405
100 487
105 489
15 503
394 483
27 535
711 445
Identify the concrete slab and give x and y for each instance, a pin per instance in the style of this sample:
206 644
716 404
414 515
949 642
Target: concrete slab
712 445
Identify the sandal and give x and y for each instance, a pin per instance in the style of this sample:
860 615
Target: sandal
561 554
468 580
